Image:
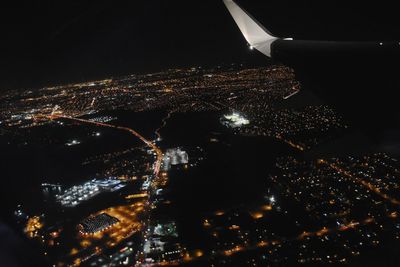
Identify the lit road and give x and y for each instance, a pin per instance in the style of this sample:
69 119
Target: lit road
151 145
157 164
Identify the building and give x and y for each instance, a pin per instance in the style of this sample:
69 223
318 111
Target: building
98 223
79 193
174 156
234 120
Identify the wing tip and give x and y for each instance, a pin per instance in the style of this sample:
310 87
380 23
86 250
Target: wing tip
255 33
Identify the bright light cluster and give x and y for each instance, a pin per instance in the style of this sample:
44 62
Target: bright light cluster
77 194
235 120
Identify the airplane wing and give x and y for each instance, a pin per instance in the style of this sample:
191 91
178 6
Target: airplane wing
256 35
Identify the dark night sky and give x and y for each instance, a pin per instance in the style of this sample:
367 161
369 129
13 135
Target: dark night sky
51 42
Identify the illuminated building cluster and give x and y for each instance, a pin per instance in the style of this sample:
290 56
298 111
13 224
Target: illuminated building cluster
174 156
162 243
97 223
77 194
33 226
234 120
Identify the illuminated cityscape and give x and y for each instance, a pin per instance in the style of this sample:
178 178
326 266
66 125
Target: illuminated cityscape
197 167
213 133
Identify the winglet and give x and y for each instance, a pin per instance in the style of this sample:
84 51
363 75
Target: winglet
255 34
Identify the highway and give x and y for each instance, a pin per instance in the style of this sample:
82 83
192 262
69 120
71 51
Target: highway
151 145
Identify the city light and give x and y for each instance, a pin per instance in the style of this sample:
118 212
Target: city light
272 199
75 195
234 120
73 142
126 213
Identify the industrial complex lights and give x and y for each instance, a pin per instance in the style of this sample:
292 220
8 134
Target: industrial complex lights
234 120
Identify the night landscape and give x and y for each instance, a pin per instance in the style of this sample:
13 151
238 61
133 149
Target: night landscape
213 133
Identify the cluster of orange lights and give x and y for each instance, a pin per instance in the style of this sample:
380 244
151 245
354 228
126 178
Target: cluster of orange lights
134 196
33 226
256 215
297 146
234 227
